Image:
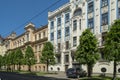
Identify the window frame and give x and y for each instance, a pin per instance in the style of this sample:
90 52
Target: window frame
104 3
91 23
118 13
59 21
74 25
74 41
67 17
105 19
90 7
52 25
52 36
67 31
58 34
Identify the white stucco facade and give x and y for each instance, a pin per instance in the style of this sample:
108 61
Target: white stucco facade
67 23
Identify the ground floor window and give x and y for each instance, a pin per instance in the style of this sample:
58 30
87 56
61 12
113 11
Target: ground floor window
66 58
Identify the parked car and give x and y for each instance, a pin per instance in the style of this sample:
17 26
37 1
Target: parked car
75 73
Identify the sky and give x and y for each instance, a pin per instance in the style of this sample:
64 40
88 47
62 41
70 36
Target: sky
16 14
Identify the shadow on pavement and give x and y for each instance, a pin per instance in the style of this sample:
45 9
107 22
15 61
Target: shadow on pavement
16 76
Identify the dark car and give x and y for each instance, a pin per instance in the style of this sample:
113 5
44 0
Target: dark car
75 73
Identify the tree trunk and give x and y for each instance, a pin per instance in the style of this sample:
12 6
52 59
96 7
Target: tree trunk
89 70
29 68
47 65
114 70
14 67
19 67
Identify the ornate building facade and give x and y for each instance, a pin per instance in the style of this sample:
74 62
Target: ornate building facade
67 23
34 37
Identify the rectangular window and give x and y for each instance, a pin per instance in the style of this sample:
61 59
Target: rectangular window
66 58
59 46
90 7
44 34
52 24
104 3
27 35
67 17
35 37
105 19
59 21
74 25
119 13
39 35
67 44
59 34
74 41
67 31
80 24
58 59
52 36
90 23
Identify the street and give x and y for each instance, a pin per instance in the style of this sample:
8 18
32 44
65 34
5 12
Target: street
16 76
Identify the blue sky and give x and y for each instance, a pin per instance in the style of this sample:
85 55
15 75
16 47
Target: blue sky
15 13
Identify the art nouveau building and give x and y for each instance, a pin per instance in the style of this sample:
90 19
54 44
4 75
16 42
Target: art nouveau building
67 23
34 37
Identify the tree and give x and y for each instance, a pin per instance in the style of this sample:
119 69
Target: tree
1 61
48 54
13 59
87 50
8 60
4 61
112 45
18 58
29 57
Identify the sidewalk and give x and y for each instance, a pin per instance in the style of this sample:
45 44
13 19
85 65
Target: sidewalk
57 75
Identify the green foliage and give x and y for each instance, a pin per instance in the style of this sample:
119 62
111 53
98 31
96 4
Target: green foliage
4 61
29 57
1 61
48 54
87 50
112 43
18 56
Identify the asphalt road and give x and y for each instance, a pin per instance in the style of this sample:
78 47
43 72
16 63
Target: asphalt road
16 76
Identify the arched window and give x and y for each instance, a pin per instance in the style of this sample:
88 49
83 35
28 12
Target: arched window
78 12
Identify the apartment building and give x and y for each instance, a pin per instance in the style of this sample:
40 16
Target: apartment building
34 37
67 23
